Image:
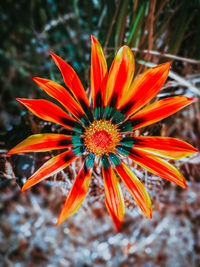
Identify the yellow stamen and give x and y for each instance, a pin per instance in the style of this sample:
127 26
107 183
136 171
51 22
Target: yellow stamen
101 137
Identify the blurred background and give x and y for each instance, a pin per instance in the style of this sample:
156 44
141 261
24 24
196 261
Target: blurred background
157 32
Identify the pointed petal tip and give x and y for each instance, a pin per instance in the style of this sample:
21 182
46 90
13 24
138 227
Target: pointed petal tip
149 215
93 39
13 151
21 100
193 99
193 151
166 66
190 99
23 188
40 81
54 56
183 184
126 47
127 51
27 185
58 222
10 152
60 219
147 212
51 53
169 63
35 79
118 226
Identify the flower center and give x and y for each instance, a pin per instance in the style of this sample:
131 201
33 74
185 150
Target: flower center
101 137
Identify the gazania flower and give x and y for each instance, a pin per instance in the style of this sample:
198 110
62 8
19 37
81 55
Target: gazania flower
103 130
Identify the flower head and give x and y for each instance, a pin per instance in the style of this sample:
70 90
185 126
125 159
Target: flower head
101 137
101 130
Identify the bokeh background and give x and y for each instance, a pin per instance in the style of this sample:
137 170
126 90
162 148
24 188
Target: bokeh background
157 32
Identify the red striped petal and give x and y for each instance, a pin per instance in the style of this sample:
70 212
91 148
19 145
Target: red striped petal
113 197
72 80
164 146
136 188
51 167
157 166
120 75
61 94
48 111
98 69
159 110
144 88
76 194
42 142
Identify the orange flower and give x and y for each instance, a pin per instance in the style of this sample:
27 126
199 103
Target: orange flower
100 131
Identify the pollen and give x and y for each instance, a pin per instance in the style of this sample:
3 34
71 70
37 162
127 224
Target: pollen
101 137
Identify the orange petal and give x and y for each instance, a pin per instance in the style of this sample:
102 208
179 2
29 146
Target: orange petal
164 146
78 191
51 167
159 110
113 195
120 75
143 89
42 142
49 112
134 186
71 80
155 165
61 94
98 69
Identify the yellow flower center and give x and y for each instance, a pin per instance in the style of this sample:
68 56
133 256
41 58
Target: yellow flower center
101 137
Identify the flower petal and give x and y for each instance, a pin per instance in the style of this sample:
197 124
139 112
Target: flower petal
164 146
134 186
143 89
78 190
62 95
120 76
160 110
154 164
52 166
50 112
73 82
156 112
45 142
113 195
98 71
